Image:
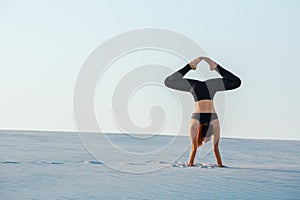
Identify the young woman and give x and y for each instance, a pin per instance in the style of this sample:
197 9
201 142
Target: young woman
204 121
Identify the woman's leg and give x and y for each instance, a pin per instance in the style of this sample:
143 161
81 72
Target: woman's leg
194 128
232 80
229 80
176 80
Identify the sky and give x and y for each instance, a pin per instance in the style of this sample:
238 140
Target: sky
45 43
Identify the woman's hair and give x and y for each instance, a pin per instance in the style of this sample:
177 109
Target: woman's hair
205 130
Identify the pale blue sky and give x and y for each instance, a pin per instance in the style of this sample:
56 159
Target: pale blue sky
44 44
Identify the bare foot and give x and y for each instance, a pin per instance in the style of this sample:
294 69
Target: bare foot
212 64
195 62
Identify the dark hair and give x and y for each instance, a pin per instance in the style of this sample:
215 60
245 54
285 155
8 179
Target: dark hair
205 130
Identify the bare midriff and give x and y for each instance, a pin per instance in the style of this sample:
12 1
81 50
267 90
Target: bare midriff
204 106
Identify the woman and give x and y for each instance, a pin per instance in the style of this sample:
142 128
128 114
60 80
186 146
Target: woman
204 121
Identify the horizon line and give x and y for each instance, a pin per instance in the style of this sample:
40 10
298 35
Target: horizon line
70 131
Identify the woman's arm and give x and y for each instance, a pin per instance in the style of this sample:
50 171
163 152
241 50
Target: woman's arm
215 142
215 147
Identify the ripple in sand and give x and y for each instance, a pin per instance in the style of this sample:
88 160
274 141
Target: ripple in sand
50 162
92 162
9 162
